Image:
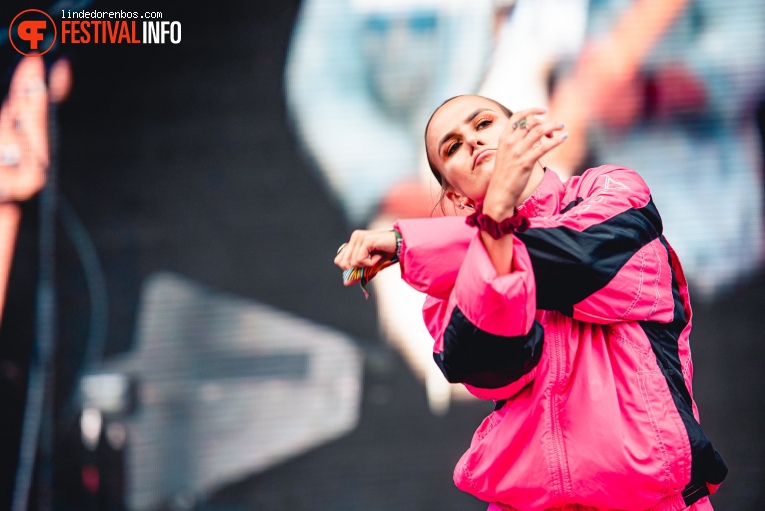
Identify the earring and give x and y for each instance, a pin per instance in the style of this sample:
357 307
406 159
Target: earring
461 205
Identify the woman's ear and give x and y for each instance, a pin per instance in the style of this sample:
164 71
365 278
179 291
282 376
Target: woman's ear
459 201
453 196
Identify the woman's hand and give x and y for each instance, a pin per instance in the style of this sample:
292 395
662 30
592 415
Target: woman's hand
524 140
366 248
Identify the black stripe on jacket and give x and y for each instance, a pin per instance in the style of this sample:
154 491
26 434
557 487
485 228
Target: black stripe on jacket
706 464
570 265
478 358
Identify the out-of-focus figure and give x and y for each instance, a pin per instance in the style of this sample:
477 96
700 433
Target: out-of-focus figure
23 153
362 77
671 89
519 74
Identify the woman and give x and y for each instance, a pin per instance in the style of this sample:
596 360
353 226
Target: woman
565 305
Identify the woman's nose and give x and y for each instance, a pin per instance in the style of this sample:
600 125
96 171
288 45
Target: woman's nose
474 140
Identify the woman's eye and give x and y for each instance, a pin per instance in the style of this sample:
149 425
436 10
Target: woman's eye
485 123
453 147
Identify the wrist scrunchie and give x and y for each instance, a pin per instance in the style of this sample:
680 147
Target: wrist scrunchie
516 223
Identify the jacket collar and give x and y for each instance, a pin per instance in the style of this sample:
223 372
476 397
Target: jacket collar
545 200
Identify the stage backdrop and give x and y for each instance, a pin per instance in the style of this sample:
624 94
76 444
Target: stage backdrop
204 352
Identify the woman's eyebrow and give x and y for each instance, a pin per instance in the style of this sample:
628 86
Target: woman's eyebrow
468 119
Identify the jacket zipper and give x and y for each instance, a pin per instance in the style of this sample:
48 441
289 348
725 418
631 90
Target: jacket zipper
557 436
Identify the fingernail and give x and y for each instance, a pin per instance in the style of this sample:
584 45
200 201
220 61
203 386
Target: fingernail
564 135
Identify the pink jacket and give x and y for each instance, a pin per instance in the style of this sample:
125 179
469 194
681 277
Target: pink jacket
584 346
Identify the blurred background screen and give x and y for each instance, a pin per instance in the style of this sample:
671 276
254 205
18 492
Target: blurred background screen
174 334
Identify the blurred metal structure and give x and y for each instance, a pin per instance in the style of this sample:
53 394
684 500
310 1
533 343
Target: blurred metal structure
225 387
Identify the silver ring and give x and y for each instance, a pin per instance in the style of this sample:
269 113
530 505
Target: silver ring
34 88
523 123
341 247
10 155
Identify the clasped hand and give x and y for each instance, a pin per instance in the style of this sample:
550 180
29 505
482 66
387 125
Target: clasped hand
366 248
525 139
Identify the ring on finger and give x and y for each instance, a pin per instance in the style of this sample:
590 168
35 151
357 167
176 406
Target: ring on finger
10 155
523 123
342 247
34 88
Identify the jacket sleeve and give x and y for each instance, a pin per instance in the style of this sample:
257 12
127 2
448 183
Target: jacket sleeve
484 325
603 259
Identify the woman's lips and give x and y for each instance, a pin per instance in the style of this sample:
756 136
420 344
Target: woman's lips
482 155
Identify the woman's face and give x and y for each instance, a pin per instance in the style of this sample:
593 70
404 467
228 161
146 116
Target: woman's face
461 141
